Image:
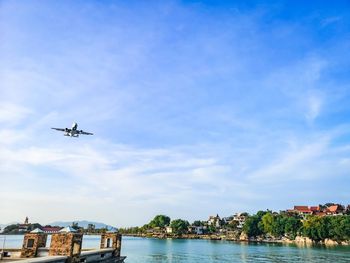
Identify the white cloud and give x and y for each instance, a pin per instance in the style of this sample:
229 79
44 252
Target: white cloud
242 107
331 20
294 164
315 106
11 114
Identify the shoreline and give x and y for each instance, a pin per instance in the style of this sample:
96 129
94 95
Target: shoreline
299 241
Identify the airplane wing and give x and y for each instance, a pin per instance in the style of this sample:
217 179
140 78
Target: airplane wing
60 129
85 133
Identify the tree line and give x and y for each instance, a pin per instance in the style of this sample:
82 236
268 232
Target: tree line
317 228
265 224
178 226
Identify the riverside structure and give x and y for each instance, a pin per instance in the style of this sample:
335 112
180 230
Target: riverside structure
65 247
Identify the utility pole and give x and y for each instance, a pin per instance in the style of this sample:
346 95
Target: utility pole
3 247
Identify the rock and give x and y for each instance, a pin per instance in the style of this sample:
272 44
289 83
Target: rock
243 237
303 241
330 242
287 240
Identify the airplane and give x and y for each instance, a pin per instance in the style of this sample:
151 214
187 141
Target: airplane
73 132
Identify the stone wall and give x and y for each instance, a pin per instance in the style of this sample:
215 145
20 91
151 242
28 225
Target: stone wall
111 240
66 244
31 243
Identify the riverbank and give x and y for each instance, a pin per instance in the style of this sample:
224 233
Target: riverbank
299 240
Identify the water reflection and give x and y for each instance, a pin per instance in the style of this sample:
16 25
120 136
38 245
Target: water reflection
141 250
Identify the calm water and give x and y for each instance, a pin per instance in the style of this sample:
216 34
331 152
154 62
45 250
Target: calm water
143 250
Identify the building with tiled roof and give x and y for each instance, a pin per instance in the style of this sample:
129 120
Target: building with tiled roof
334 210
51 229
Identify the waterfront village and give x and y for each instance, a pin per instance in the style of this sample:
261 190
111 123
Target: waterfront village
328 224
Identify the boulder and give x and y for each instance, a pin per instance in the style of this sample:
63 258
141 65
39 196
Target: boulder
330 242
243 237
303 240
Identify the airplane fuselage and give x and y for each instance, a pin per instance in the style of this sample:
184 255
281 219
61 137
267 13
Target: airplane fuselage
72 132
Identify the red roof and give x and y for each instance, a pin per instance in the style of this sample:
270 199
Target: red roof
303 209
333 208
51 229
314 208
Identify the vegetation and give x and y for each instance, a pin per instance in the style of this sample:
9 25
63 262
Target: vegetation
253 226
16 228
333 227
179 226
159 221
273 224
316 228
197 223
263 224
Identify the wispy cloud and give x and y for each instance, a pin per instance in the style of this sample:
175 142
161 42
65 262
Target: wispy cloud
12 113
194 112
315 104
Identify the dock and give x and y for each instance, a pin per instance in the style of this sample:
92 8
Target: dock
65 247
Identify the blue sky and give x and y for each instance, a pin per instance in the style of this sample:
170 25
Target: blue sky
198 108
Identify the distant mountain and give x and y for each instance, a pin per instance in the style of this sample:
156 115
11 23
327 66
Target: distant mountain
82 223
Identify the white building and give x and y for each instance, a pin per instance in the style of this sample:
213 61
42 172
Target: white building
169 229
240 219
214 221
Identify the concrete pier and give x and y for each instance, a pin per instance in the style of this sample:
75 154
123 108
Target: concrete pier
65 247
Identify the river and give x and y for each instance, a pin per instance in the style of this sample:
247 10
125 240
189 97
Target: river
143 250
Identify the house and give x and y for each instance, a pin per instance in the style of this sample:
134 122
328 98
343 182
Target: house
25 226
302 210
156 230
214 221
227 220
315 209
51 229
240 219
334 210
168 229
198 230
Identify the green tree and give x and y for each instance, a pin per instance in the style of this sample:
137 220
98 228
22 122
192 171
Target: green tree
267 221
33 226
232 225
145 227
179 226
160 221
211 229
278 225
251 226
339 228
11 229
347 210
316 227
197 223
75 225
292 226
